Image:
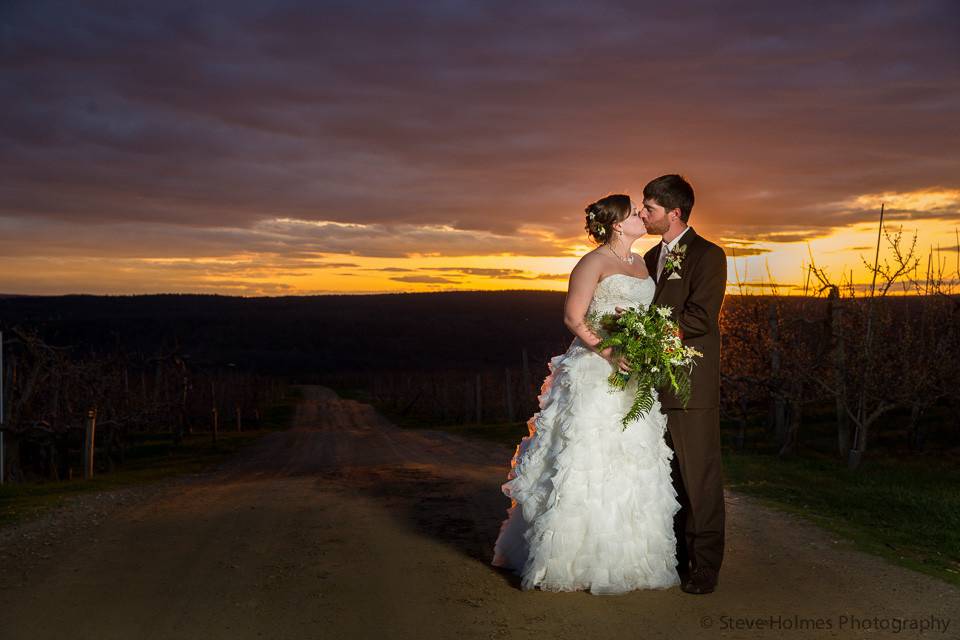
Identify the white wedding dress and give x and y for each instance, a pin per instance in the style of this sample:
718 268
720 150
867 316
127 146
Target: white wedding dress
592 505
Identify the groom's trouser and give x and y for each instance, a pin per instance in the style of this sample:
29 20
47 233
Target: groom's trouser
694 436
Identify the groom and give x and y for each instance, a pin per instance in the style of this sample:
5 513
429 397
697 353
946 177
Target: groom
691 277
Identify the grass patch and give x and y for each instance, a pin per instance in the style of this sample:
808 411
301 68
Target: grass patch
907 511
152 457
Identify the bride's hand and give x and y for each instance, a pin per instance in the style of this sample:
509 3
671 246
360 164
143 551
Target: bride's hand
620 363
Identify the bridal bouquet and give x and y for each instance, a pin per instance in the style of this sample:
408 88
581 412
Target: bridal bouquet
650 342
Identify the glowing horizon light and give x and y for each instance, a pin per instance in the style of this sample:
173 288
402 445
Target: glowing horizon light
293 256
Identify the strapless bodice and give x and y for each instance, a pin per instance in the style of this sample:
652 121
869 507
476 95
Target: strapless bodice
621 290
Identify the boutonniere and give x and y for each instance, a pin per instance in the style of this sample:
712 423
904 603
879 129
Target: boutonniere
674 260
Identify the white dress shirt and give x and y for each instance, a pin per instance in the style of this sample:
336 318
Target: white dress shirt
665 248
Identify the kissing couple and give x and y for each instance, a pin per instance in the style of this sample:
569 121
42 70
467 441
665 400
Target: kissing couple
599 508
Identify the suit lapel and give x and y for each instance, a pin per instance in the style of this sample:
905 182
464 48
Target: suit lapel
684 241
651 258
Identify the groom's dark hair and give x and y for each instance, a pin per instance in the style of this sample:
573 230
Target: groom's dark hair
671 192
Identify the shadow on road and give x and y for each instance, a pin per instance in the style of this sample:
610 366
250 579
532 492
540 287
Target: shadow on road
436 484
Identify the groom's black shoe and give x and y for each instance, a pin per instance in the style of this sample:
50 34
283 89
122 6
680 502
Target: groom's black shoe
702 580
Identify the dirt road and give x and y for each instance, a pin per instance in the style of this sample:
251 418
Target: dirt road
347 527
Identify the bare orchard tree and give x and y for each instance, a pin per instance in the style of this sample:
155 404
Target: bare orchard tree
773 347
882 355
930 342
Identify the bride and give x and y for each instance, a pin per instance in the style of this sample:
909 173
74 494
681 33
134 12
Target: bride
592 505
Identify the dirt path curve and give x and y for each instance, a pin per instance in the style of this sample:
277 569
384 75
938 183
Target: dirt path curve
347 527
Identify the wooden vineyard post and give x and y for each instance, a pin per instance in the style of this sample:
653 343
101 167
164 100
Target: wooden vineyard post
525 381
89 430
778 409
509 394
213 402
184 426
479 396
840 368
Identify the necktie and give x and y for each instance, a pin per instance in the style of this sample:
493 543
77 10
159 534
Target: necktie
663 259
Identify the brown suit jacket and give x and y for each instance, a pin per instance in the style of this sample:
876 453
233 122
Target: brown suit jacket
696 298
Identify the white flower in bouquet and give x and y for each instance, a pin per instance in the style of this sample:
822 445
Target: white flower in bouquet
650 343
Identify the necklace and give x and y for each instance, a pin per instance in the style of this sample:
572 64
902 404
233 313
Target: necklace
628 260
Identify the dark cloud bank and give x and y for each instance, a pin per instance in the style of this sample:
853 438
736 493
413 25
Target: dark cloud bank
455 128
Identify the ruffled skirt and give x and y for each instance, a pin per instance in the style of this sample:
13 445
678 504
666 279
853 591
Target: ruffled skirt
592 506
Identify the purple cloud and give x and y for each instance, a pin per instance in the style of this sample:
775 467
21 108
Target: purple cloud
456 129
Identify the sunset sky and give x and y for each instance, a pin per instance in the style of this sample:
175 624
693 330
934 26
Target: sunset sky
275 148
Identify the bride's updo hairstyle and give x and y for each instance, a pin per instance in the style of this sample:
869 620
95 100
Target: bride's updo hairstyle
604 213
